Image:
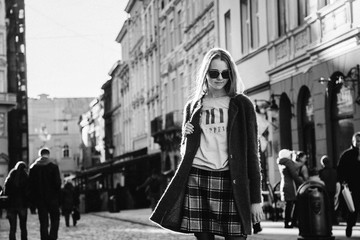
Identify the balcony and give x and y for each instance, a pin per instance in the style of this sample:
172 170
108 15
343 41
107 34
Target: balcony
8 99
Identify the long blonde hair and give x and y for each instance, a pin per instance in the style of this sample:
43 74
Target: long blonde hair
233 87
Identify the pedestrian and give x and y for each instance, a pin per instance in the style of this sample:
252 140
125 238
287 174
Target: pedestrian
315 177
152 186
68 203
16 189
216 188
348 172
45 186
301 161
329 176
289 180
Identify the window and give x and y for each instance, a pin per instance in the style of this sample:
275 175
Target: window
303 11
175 94
2 124
249 25
172 37
254 8
2 81
282 22
163 45
66 151
2 44
180 26
166 98
323 3
228 31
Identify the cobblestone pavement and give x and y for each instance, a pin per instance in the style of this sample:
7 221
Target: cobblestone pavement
95 227
134 224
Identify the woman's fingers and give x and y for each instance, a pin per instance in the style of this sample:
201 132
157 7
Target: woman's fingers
189 128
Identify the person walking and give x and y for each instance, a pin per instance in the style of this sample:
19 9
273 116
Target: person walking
329 175
45 186
348 172
152 186
289 180
303 170
16 188
68 203
216 188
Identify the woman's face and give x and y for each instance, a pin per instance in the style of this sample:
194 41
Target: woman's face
217 81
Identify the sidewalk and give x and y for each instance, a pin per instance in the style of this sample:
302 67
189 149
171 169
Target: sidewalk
271 230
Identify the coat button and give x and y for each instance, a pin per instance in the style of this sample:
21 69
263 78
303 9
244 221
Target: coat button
234 181
230 156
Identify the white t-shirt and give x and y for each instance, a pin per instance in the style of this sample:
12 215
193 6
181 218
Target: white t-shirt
213 153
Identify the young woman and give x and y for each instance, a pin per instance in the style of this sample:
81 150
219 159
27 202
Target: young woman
216 189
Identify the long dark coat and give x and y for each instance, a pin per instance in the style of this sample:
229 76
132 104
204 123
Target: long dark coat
289 179
243 152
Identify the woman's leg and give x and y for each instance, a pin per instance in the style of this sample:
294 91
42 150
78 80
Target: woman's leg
23 220
12 216
204 236
67 218
288 213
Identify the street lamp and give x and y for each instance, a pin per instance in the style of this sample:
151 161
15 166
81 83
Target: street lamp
111 150
352 76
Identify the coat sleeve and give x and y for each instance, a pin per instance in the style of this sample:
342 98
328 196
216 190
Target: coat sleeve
293 173
253 154
57 178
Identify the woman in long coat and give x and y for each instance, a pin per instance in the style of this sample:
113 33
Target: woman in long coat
289 180
241 148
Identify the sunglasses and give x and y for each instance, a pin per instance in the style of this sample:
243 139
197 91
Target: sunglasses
214 73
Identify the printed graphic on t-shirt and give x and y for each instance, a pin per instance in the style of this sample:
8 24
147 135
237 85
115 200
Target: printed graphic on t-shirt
213 120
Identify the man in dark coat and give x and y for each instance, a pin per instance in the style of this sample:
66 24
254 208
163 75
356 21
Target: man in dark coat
348 171
45 186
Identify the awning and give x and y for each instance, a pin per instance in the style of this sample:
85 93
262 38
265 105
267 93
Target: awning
95 177
113 166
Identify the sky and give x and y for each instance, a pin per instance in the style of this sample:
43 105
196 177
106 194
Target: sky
70 45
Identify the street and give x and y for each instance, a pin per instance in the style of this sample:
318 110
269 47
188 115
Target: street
134 224
94 227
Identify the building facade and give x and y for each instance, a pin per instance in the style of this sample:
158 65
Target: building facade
13 93
7 99
299 62
53 123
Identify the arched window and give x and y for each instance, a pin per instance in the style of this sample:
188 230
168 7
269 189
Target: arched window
285 122
341 127
306 125
66 151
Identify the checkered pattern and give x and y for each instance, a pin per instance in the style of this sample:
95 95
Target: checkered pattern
209 204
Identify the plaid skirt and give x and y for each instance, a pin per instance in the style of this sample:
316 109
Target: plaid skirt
209 204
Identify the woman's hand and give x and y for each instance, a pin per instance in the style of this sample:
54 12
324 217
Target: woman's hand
256 212
188 128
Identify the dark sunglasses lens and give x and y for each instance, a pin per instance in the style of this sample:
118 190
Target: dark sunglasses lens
213 73
226 74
